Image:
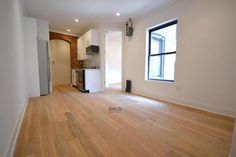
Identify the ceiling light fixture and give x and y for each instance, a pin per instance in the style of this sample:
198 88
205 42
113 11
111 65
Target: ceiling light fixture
76 20
117 14
68 30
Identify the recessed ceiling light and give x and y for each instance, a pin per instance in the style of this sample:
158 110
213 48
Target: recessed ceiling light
68 30
117 14
76 20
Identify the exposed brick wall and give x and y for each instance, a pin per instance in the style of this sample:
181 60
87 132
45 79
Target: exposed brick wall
73 48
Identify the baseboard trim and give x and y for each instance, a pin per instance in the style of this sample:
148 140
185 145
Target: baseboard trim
12 142
200 106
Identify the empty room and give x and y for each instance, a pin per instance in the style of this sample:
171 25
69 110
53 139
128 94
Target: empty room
117 78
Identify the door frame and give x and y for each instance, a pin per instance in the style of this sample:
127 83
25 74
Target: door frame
105 36
51 71
102 31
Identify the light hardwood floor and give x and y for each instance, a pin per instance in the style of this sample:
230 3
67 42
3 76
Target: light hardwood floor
72 124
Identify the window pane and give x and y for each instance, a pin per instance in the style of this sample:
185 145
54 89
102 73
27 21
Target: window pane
155 65
164 40
162 67
157 44
169 67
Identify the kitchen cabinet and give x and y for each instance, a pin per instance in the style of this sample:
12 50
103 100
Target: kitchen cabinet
89 80
89 38
92 80
81 49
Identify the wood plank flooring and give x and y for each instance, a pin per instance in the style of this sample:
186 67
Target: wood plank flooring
113 124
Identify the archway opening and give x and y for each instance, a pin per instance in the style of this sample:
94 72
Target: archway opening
60 62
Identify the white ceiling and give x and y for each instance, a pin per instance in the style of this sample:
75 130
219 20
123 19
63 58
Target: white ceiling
61 13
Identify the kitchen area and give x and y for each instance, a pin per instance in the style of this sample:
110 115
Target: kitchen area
80 64
87 78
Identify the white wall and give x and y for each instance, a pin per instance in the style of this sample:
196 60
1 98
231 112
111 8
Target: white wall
43 34
31 56
43 30
205 67
13 91
113 50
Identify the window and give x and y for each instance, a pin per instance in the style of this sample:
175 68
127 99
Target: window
162 52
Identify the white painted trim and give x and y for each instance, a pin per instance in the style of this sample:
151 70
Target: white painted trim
61 32
12 142
191 104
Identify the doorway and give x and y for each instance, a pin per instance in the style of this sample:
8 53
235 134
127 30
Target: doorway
113 59
60 62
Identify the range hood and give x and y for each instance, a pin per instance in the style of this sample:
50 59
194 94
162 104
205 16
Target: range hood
92 50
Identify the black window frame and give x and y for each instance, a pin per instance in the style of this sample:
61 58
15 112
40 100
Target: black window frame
174 22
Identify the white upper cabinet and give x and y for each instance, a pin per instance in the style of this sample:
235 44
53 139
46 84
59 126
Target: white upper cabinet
81 49
89 38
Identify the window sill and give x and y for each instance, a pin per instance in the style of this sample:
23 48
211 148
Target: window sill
161 81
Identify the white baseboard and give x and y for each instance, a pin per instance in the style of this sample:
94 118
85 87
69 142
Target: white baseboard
196 105
12 142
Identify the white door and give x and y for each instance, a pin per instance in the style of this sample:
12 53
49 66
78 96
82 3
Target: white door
60 61
113 59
